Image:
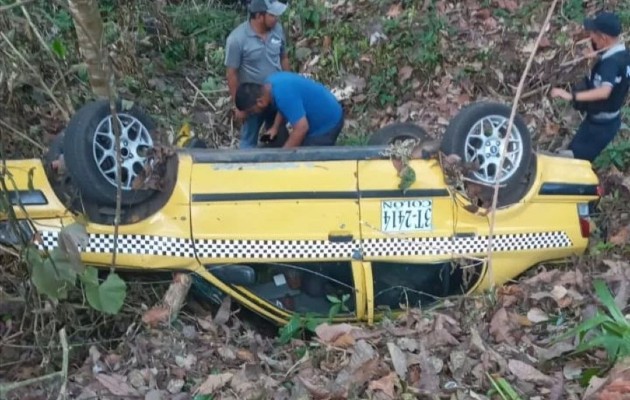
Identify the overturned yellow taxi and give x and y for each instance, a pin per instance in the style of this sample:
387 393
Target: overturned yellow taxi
295 231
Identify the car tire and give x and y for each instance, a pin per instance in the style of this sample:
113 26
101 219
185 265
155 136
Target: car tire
468 137
392 133
89 152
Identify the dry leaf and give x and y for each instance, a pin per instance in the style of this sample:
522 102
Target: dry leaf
116 385
572 370
328 333
551 129
394 10
621 237
399 360
223 314
559 292
343 341
510 5
213 383
537 315
156 315
500 327
385 384
527 373
404 74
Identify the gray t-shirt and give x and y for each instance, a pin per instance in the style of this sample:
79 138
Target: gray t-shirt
254 57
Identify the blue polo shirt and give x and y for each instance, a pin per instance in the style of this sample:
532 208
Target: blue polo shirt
296 96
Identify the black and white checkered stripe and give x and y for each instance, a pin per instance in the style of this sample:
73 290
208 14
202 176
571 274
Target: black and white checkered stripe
392 246
314 249
128 244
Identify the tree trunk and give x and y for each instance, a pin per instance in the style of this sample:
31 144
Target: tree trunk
89 27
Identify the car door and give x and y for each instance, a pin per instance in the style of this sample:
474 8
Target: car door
282 234
407 237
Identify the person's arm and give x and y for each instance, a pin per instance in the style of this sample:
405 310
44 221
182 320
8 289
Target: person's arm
608 72
600 93
277 122
232 64
298 134
232 81
284 56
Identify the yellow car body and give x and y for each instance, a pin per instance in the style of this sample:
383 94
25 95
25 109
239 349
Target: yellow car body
336 217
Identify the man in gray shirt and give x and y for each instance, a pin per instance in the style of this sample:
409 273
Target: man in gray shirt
255 49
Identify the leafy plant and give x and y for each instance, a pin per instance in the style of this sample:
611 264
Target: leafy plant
503 388
617 154
612 330
297 325
338 305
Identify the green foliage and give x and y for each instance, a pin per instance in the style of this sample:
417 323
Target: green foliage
58 48
503 388
610 331
55 274
107 297
297 326
616 154
300 323
338 305
202 26
573 10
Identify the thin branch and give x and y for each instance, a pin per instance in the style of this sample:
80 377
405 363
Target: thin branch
199 92
64 364
22 135
16 4
517 97
53 57
64 112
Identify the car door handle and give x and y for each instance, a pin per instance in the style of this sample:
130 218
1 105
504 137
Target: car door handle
465 234
340 236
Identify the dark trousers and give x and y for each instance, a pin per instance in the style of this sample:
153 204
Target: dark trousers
593 136
327 139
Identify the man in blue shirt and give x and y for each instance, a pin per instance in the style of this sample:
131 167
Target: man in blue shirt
603 93
312 110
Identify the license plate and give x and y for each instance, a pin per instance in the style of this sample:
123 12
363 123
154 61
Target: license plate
406 215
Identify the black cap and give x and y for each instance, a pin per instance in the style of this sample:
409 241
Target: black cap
604 22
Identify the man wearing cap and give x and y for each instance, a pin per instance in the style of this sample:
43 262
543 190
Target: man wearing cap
603 93
255 49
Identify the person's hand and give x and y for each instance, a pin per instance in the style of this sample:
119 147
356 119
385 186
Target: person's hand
239 115
563 94
272 132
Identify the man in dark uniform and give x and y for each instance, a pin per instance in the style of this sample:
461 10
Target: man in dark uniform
602 94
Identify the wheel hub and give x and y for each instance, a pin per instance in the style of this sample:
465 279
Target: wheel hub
485 143
134 141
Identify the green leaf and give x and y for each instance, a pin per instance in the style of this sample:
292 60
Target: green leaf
606 298
109 296
46 279
58 48
126 105
334 310
61 264
292 327
89 277
72 238
333 299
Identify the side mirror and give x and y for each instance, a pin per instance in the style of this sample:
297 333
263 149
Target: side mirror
235 274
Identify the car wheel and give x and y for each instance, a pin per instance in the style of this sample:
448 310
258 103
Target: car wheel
397 132
477 133
90 152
